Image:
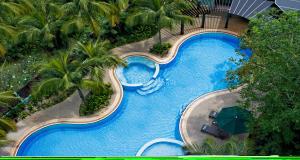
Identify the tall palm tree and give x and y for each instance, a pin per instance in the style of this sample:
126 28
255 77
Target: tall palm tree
62 74
6 98
232 146
163 13
98 57
85 12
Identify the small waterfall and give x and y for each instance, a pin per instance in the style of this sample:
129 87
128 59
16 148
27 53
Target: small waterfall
152 86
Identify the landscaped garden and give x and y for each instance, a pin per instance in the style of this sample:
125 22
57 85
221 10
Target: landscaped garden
53 50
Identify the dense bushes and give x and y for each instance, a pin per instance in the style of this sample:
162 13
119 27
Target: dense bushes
160 49
96 101
271 83
136 34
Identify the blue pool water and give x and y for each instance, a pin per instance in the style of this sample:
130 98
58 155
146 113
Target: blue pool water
199 67
138 73
139 70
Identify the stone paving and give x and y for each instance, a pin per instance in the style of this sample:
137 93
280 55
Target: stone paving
197 113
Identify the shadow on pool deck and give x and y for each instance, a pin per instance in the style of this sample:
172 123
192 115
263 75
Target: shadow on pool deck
197 114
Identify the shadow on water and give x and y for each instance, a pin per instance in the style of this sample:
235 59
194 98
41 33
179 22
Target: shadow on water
218 78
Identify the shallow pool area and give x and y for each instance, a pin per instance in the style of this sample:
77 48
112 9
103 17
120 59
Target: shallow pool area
162 147
139 72
148 111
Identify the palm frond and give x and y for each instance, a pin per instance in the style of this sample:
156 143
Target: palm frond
7 125
7 97
8 30
4 142
95 86
48 86
2 50
75 24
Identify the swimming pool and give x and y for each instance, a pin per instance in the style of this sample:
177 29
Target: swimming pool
199 67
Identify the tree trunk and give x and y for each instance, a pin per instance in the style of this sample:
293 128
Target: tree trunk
81 95
227 20
159 36
182 27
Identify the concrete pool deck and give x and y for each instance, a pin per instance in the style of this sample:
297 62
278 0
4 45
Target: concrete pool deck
68 110
196 114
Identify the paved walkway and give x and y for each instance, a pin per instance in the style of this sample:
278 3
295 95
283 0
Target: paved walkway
70 107
197 114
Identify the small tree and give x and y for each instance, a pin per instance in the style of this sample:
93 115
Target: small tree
98 57
62 74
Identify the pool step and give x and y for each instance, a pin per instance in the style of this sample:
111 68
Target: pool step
153 83
151 87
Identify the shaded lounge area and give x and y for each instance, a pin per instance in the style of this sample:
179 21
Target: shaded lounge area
229 121
198 114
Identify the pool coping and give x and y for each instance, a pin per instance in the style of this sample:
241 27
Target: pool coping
139 85
188 111
118 90
155 141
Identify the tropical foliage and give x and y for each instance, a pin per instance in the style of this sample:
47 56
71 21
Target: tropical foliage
6 126
96 101
97 57
163 13
160 48
64 73
6 98
271 79
209 146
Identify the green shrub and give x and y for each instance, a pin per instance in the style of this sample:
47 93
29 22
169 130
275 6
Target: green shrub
135 34
160 49
96 101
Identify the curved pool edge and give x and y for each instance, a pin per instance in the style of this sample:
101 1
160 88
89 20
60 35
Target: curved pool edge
158 140
126 84
184 116
118 90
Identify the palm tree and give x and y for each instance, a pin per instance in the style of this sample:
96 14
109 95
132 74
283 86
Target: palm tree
9 8
98 57
6 126
163 13
232 146
62 74
41 22
85 12
118 8
6 98
8 35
